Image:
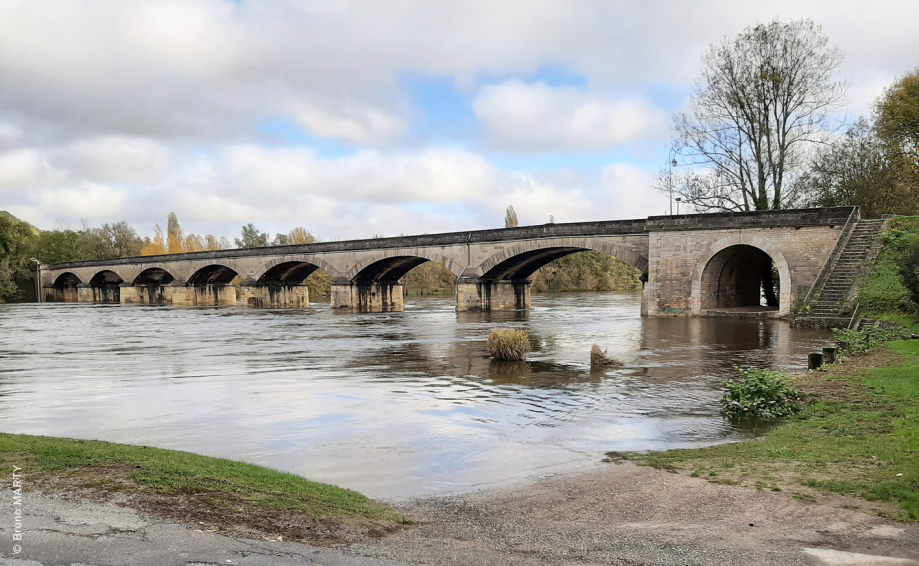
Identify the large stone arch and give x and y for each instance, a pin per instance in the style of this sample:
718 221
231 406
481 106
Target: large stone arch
66 279
531 258
106 286
313 260
155 274
213 274
786 297
391 255
106 276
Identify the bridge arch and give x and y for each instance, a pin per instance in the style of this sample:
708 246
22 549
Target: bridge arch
64 289
730 274
106 277
106 286
289 270
393 266
154 276
523 260
214 274
67 280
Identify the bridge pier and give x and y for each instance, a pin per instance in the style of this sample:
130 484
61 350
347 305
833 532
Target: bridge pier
474 294
110 293
66 294
383 296
209 295
85 294
275 294
149 294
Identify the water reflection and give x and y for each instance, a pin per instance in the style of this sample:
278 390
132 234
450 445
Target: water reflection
391 404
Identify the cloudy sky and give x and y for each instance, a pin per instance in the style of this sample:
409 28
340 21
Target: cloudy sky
355 118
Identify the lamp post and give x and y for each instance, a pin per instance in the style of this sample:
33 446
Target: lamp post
672 164
37 280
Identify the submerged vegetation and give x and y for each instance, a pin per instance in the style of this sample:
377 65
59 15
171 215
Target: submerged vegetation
509 344
599 358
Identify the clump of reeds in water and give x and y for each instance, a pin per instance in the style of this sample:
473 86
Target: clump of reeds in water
509 344
598 358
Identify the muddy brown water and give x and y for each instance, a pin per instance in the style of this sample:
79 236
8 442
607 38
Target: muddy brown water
393 405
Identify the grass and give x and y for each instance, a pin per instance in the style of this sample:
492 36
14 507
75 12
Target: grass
509 344
882 294
861 439
223 494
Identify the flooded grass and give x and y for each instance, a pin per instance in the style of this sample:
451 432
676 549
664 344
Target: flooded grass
510 345
860 439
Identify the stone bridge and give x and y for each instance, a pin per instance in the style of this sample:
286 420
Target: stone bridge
707 264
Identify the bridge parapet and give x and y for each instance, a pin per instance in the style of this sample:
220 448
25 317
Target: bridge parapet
493 266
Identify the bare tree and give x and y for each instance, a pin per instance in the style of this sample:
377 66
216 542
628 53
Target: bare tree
764 99
510 218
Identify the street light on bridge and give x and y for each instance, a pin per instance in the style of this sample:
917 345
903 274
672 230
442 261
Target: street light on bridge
672 164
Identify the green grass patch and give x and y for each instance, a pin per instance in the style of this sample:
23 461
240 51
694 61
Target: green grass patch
883 294
223 491
861 438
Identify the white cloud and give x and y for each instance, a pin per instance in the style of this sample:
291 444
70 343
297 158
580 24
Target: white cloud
352 121
209 67
537 117
92 201
632 192
118 159
393 192
9 132
25 169
138 108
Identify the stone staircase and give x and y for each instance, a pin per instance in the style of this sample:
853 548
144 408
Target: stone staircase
855 260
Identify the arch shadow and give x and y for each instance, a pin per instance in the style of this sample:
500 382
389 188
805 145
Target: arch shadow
214 274
106 287
154 276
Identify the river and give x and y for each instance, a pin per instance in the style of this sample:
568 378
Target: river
393 405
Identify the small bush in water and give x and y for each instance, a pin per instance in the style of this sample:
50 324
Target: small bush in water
762 394
507 344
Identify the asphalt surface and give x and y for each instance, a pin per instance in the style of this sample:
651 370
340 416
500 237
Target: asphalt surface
57 532
645 519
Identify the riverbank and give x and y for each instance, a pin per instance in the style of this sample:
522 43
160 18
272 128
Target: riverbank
856 447
216 494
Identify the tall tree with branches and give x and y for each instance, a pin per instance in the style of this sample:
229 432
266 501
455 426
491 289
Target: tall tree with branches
765 98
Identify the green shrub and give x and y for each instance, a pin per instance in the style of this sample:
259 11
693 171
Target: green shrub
883 290
509 344
909 269
867 339
762 394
